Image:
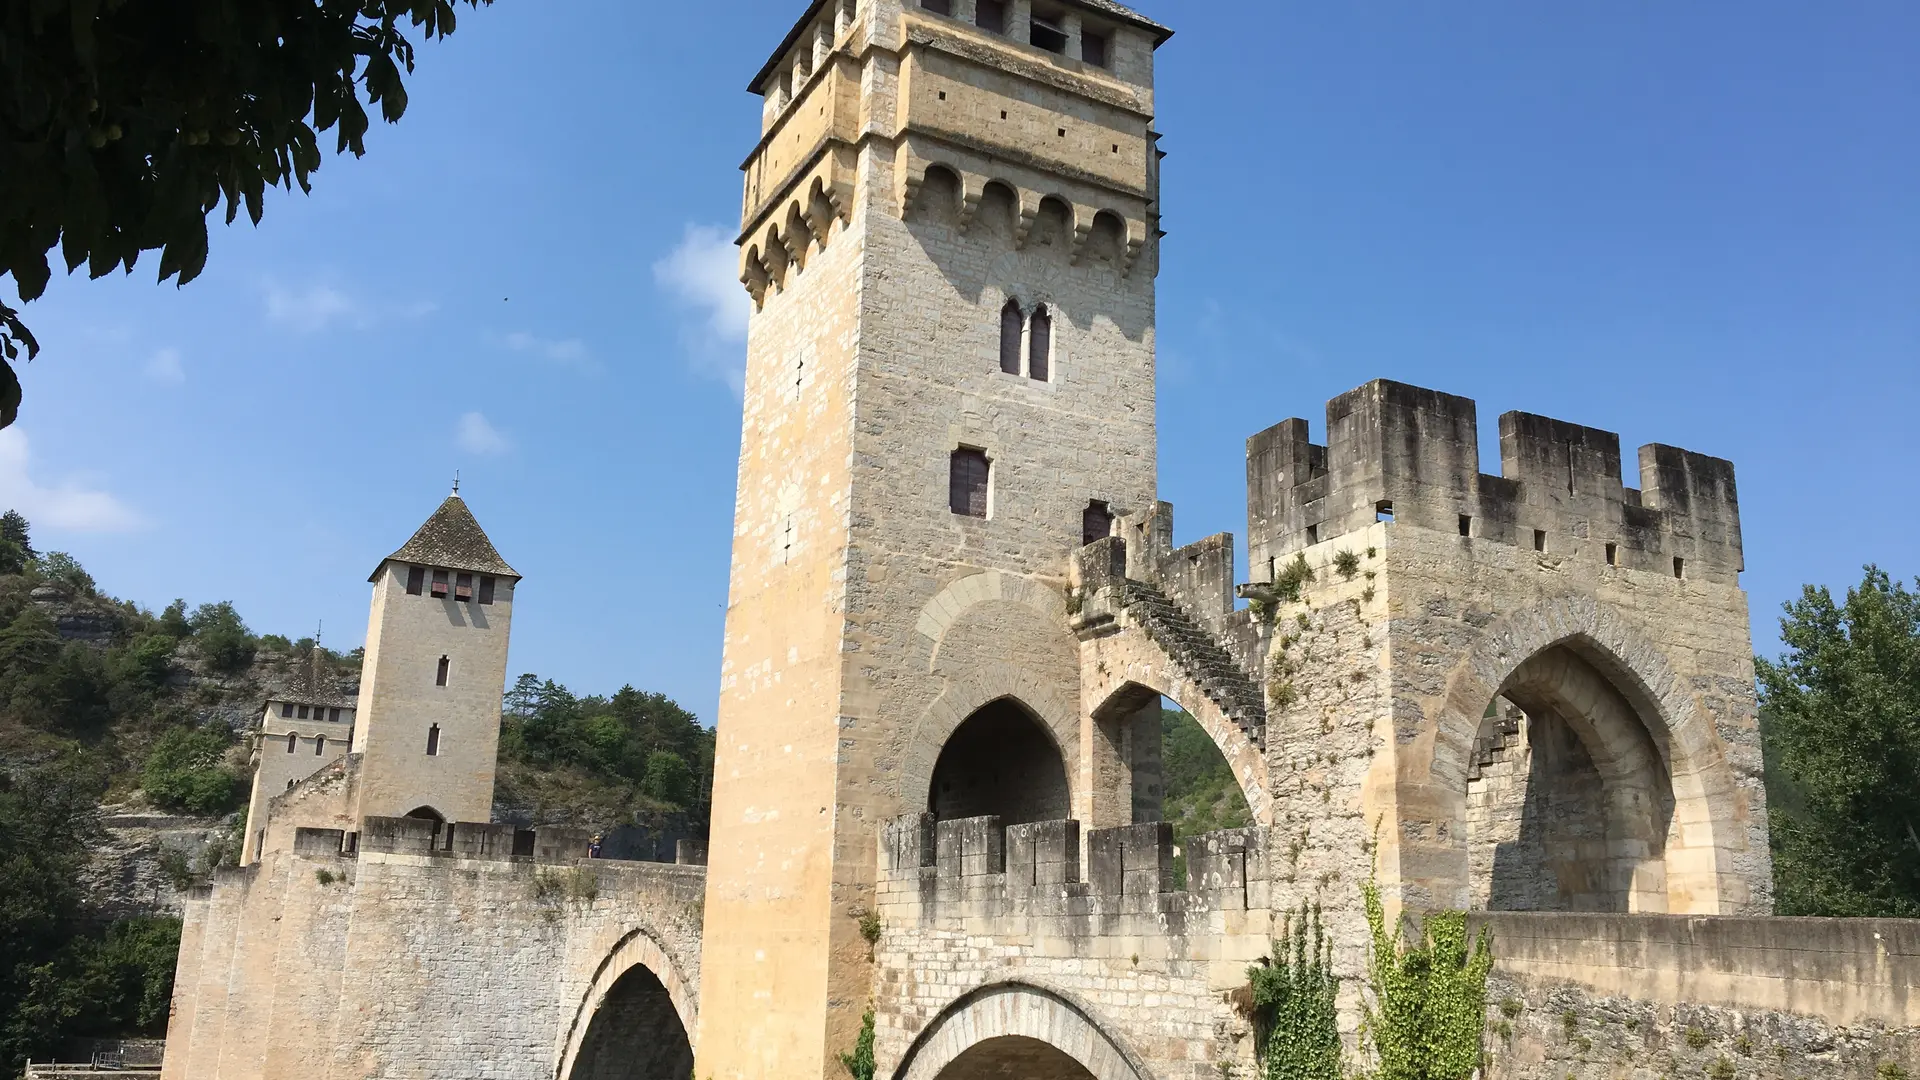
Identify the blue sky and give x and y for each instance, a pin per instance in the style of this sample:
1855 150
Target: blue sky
1689 223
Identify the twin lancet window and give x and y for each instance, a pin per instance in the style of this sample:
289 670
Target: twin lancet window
448 585
1026 344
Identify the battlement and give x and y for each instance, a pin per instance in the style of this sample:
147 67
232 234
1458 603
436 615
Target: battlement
1036 867
1411 456
461 840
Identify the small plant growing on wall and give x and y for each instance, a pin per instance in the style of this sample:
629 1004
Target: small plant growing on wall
870 928
1722 1069
1294 998
1347 564
1426 1011
324 877
860 1061
1291 578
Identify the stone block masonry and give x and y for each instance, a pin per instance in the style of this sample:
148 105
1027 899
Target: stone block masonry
435 952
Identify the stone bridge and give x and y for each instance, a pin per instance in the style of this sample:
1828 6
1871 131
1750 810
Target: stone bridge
439 951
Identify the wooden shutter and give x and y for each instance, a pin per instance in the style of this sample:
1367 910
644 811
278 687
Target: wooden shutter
967 484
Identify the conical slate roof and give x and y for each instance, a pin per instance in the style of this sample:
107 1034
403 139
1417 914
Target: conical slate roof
453 540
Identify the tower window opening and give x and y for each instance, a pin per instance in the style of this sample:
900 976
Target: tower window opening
333 716
943 95
303 712
439 589
1466 525
440 677
967 482
416 580
486 591
1047 34
938 7
1613 555
293 740
319 746
1313 535
991 15
1096 523
433 741
1383 511
463 588
1539 539
286 711
1093 48
1679 567
1040 345
1012 323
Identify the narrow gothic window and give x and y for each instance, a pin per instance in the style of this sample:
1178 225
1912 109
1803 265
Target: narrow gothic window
1040 344
991 15
433 741
440 678
967 483
1096 524
319 745
292 741
486 590
416 580
1011 325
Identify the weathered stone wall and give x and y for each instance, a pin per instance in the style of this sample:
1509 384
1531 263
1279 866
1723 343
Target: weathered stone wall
406 961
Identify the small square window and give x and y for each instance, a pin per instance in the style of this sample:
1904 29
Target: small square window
1093 48
938 7
303 712
943 95
1313 535
1063 133
416 580
1613 555
486 590
463 588
1003 114
1383 510
440 586
286 711
991 15
333 716
1466 525
1679 567
1047 34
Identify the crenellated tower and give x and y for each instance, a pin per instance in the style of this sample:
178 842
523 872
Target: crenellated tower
950 234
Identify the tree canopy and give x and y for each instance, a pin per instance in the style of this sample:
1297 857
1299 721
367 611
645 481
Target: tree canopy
125 123
1842 719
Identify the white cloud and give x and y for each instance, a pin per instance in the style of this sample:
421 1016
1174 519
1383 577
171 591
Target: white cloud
569 351
312 309
477 436
164 367
702 275
64 506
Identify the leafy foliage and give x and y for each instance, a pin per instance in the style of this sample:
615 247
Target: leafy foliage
125 123
633 740
59 977
860 1062
1202 795
223 637
1295 998
1842 715
16 543
1428 1006
187 770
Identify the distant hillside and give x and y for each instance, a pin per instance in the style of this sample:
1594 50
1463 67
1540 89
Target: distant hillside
1201 793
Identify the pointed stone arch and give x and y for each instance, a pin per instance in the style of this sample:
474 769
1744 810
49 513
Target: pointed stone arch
637 950
1017 1010
1704 842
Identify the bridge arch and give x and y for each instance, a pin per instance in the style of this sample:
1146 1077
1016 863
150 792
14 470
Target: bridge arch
1017 1029
636 1004
1663 795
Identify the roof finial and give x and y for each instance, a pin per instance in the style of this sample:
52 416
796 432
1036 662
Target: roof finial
456 481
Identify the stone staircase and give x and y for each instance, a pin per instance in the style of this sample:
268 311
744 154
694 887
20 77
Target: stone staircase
1205 662
1490 747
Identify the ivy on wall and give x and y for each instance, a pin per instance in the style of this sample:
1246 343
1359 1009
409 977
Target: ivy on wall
860 1062
1295 1000
1428 999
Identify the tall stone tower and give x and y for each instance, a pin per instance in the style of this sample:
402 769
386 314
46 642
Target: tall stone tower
950 234
436 662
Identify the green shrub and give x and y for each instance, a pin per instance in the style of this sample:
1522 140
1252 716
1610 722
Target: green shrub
223 637
860 1062
1428 1004
1295 998
669 778
186 771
